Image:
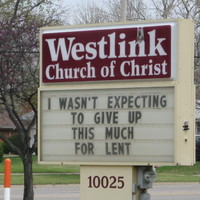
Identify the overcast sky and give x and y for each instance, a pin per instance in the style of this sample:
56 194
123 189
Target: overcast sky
75 2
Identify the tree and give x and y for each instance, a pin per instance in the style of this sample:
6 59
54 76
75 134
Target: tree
136 10
1 152
89 12
19 58
165 9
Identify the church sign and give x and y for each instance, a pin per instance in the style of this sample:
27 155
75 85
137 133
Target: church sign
119 52
117 94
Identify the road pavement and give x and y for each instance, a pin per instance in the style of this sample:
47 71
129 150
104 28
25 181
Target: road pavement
160 191
175 191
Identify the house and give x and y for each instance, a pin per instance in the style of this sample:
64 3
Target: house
7 128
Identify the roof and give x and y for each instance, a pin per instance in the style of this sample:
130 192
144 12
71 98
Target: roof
5 122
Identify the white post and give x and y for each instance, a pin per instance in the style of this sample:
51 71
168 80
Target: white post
6 193
123 10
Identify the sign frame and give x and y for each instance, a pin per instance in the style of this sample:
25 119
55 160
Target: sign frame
184 113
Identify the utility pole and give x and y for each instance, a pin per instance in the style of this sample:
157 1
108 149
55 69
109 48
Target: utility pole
123 10
198 3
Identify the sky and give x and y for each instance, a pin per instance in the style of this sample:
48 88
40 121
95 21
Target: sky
75 2
100 2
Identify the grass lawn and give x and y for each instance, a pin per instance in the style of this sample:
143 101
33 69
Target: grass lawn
58 174
17 167
179 173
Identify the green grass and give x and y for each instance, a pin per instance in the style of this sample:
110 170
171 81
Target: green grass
57 174
179 173
45 179
164 177
184 170
17 167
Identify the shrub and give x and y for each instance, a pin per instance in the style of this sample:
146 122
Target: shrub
1 152
6 148
15 139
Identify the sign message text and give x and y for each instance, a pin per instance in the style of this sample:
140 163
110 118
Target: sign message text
109 125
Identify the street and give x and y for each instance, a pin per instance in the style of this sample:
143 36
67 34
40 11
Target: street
160 191
175 191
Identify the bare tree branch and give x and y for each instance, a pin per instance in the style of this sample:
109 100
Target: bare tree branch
15 11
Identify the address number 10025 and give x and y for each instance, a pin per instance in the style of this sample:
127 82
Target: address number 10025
112 182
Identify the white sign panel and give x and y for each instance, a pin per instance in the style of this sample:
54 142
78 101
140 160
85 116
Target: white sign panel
108 125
